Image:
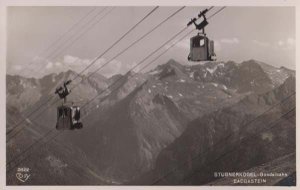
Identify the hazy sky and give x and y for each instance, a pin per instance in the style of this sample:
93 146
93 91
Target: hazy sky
240 33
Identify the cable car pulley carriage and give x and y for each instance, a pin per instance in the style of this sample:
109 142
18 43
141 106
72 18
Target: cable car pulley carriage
201 47
68 116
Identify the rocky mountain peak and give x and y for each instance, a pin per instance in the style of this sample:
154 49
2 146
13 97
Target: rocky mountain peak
143 113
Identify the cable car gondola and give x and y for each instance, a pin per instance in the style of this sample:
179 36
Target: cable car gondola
201 47
68 116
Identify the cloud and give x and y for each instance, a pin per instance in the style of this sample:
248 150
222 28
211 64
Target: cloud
38 59
101 65
280 43
230 41
42 66
284 44
69 59
49 65
287 44
261 43
112 68
17 67
75 61
291 41
58 64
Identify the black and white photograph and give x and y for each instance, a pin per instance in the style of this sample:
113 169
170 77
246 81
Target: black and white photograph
114 95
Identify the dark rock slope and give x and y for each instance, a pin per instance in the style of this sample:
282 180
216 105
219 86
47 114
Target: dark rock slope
147 123
257 129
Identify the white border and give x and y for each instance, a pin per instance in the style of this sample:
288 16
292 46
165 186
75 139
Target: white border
152 2
5 3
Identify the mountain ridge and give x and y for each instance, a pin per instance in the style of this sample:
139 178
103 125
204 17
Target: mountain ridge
129 125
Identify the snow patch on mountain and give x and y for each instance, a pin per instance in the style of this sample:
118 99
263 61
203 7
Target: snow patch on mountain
192 74
225 87
215 84
212 70
154 72
221 65
170 96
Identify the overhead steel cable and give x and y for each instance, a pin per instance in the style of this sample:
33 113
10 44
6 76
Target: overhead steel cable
156 49
168 173
272 126
222 8
51 138
60 37
73 27
54 137
70 29
39 140
127 72
26 157
285 99
135 42
227 137
132 44
75 37
90 64
162 46
111 85
49 99
87 27
69 41
148 64
142 38
27 149
116 42
142 62
119 54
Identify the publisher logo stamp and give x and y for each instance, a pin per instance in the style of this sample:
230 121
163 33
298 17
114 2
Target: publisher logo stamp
23 174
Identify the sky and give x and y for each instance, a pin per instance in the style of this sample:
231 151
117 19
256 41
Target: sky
44 40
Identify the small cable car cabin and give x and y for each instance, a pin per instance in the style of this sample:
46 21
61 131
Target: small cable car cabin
201 49
68 116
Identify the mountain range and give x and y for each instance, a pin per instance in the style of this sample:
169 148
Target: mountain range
150 128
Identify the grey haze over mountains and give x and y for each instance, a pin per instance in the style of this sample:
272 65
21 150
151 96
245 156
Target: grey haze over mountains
151 123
